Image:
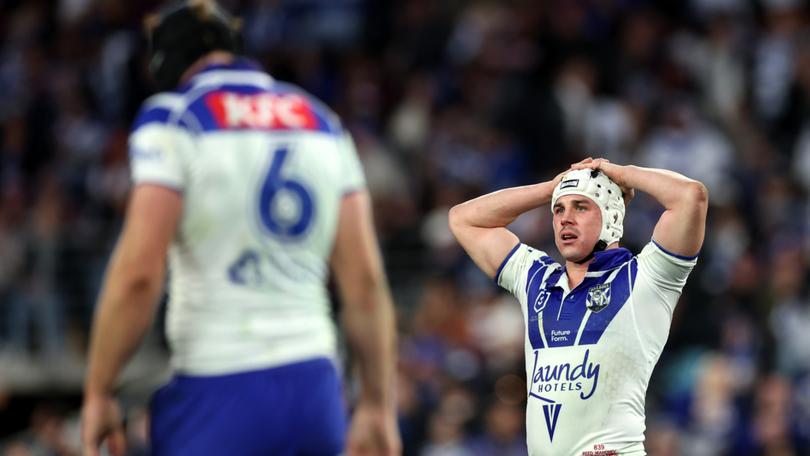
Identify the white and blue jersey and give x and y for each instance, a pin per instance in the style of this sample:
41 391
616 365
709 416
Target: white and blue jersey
263 168
590 351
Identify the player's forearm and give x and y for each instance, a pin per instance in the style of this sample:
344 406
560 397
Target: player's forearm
500 208
670 189
368 319
125 311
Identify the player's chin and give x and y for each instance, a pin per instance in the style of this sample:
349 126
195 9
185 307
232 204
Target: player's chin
572 252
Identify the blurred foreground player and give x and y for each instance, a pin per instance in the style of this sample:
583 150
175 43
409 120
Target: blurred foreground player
254 190
596 326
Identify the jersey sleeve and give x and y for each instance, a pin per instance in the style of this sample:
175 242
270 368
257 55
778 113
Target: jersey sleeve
353 178
158 147
514 271
665 269
659 281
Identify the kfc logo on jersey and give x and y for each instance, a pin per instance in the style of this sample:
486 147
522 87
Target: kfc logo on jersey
261 111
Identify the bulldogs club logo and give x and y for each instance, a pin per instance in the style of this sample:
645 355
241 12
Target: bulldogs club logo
598 297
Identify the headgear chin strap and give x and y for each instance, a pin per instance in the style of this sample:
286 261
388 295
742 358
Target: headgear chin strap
600 245
182 33
596 186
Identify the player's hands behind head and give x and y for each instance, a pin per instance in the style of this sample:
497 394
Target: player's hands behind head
586 163
612 171
373 432
102 422
560 176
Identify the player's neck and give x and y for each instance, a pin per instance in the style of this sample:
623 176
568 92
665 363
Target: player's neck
576 272
212 58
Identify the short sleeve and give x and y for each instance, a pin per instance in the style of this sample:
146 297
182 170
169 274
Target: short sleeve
660 278
665 269
352 171
514 271
157 148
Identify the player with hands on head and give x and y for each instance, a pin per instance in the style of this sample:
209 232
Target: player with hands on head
253 191
596 324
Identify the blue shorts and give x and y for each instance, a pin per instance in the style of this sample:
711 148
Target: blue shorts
296 409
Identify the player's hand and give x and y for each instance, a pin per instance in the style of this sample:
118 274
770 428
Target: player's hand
559 177
102 422
612 171
373 432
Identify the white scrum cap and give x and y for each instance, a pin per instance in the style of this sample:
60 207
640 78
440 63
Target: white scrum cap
596 186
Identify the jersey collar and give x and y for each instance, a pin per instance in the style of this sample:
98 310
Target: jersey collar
603 262
238 63
609 259
237 66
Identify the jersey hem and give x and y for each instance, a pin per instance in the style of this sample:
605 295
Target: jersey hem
257 368
158 183
352 191
212 368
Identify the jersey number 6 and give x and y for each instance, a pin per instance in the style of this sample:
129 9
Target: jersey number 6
285 205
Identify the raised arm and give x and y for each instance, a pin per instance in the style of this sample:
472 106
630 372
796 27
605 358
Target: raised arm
681 228
368 320
479 225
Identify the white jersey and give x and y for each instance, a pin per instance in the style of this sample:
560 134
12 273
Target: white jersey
590 351
262 168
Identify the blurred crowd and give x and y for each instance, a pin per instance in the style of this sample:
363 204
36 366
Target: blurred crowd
448 100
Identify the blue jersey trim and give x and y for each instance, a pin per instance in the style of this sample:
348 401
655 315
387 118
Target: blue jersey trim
675 255
606 260
562 319
157 114
241 63
505 260
620 289
537 298
633 271
327 121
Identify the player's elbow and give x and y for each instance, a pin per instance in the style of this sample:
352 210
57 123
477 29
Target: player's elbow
455 219
697 194
367 295
136 280
143 283
361 283
139 288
